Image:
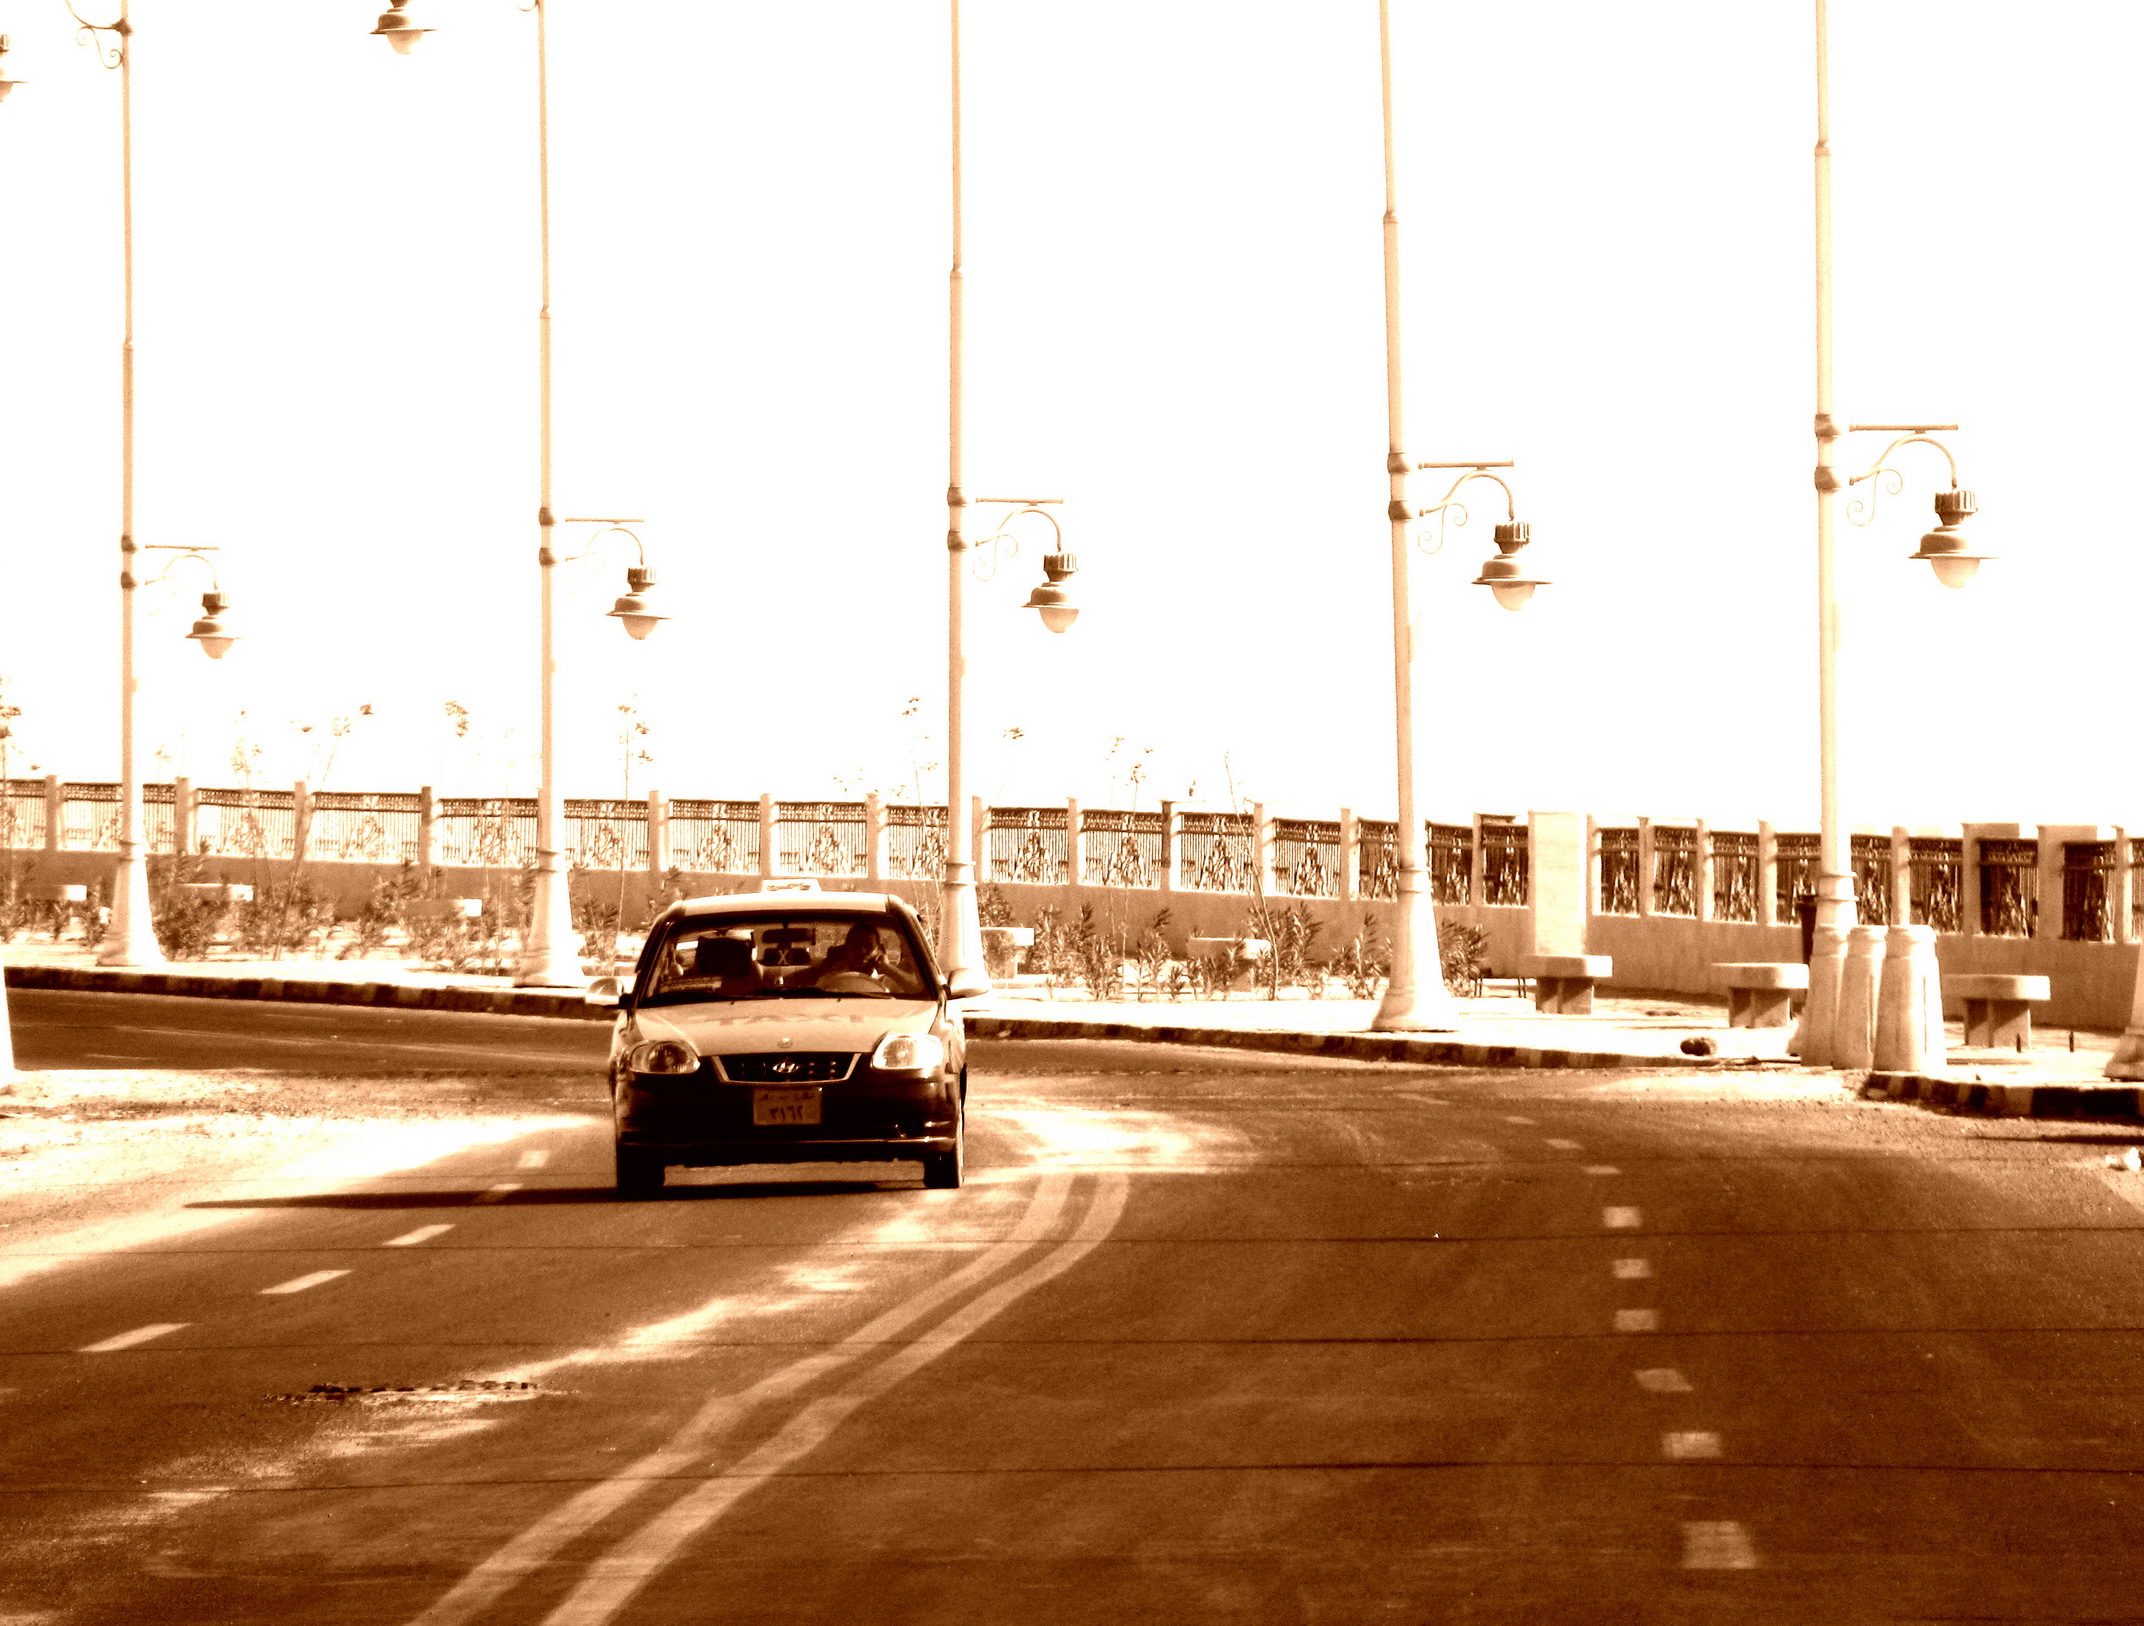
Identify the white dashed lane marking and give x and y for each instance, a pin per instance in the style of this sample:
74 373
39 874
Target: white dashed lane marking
298 1284
423 1233
1514 1118
499 1192
1637 1321
1602 1168
1563 1145
534 1160
1630 1270
1717 1544
1689 1445
1663 1380
1620 1219
127 1340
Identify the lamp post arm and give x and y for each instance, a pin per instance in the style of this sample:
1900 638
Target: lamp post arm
1476 472
1914 437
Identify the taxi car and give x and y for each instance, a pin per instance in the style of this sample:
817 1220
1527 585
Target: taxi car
787 1027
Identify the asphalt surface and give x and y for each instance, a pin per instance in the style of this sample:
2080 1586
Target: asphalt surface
1209 1336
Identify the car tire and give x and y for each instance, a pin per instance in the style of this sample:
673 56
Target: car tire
640 1173
944 1171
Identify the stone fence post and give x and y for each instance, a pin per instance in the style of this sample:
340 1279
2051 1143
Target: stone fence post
1169 824
658 836
1767 874
182 814
770 839
1261 850
874 836
427 829
301 821
1350 857
1075 854
55 811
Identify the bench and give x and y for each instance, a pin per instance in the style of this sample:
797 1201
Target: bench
1760 993
219 891
444 908
1563 983
1003 946
1998 1009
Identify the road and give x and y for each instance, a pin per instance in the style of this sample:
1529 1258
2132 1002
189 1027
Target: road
1209 1337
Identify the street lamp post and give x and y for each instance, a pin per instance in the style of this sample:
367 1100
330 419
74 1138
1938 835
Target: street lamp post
548 958
1945 550
1415 996
960 926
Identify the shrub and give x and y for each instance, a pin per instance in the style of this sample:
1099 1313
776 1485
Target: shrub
187 924
1363 965
1461 949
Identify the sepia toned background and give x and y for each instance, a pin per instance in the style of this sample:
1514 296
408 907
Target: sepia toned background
1174 323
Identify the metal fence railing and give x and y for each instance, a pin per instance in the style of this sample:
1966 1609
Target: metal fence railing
365 827
605 834
2088 869
1872 879
1798 859
1619 870
245 823
1306 858
1030 844
1674 869
714 838
2009 888
1450 852
1213 853
1936 881
820 838
1735 873
1122 848
915 841
1506 864
497 831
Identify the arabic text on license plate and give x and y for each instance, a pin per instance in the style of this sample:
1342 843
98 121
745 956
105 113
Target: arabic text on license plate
785 1106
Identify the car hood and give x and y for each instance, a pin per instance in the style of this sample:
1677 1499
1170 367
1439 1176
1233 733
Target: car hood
742 1026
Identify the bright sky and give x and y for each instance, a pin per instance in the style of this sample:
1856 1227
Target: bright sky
1174 323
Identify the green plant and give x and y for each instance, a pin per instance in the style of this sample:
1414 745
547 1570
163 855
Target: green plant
1212 975
383 912
1097 955
991 904
284 916
598 925
1461 950
97 918
1363 965
1051 954
1150 957
187 924
1289 933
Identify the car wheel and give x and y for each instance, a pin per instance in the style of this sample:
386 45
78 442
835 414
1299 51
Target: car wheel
640 1172
944 1171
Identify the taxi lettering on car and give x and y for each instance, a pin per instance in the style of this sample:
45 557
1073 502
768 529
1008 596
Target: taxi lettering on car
787 1026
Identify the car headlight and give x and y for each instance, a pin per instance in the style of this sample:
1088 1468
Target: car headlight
663 1056
908 1053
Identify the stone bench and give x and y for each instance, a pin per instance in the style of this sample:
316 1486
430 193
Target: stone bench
218 891
1760 993
1563 983
1998 1009
444 908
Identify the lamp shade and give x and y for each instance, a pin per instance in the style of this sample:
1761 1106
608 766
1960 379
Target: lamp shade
1946 549
1051 599
1503 575
632 608
213 632
398 29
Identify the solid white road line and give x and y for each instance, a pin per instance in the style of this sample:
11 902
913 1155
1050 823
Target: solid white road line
1602 1168
1688 1445
534 1160
537 1547
1620 1219
1717 1544
127 1340
1663 1380
298 1284
561 1063
1630 1270
1637 1321
498 1193
423 1233
617 1577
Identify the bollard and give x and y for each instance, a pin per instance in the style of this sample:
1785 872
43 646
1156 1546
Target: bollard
1853 1036
1909 1015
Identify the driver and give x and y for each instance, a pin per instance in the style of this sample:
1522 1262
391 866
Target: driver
859 954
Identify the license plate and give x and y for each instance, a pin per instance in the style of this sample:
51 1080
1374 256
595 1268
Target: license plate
779 1107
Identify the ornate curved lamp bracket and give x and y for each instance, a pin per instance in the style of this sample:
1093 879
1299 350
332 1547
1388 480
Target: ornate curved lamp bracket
604 528
111 54
1889 481
1448 507
1004 542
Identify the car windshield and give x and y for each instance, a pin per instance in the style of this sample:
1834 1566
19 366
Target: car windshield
785 953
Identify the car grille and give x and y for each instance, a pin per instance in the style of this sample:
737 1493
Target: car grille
788 1067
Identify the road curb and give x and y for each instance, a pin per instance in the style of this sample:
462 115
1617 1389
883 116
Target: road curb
569 1006
1979 1099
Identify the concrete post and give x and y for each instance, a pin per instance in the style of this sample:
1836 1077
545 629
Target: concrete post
1901 876
770 840
1169 827
1262 857
658 837
979 838
427 829
301 822
1350 865
55 811
1969 882
1559 859
1853 1035
1477 867
182 814
1075 845
2121 889
1768 875
1703 900
1593 867
1645 865
1909 1014
874 836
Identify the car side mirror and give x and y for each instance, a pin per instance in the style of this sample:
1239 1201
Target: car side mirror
604 992
967 985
